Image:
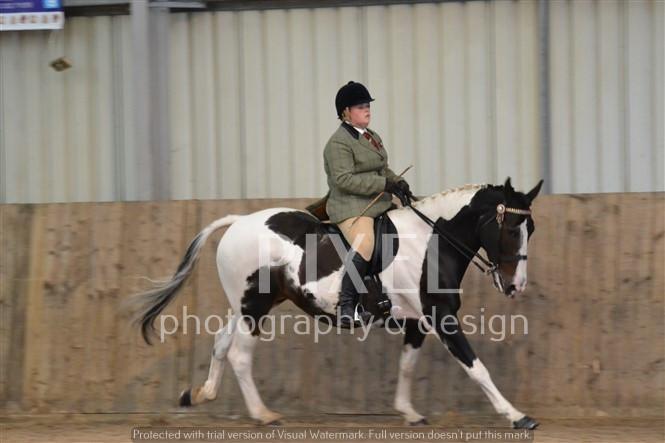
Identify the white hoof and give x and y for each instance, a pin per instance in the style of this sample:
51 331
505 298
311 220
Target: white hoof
270 419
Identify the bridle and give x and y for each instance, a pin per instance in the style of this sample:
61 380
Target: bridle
501 211
488 267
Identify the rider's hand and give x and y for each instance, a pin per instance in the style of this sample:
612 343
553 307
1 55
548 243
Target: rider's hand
400 190
405 187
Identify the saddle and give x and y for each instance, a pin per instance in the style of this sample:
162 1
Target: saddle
375 301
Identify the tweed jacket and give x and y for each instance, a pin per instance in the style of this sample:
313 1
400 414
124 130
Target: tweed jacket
357 173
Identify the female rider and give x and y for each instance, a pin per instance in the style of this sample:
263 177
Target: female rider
356 164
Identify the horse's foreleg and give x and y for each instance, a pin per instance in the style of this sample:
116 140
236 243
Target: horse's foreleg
208 391
456 342
413 340
240 356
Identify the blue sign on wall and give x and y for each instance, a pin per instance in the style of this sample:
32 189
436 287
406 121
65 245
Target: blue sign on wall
17 15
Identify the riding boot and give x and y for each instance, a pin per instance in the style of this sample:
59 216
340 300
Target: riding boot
348 296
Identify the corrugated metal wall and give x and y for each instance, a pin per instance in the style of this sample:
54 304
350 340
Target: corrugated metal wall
607 95
67 136
64 136
252 104
251 99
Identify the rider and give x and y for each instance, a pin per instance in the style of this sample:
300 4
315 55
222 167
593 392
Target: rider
356 164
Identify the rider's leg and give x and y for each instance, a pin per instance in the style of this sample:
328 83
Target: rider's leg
361 235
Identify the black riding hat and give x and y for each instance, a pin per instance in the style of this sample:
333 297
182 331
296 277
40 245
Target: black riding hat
351 94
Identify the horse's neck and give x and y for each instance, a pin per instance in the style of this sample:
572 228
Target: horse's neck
461 226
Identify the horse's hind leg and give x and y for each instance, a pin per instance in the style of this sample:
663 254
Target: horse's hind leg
254 305
240 356
208 391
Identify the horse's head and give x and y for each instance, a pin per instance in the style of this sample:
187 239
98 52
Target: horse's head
504 228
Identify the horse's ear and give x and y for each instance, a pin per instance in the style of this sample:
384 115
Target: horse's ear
508 188
531 196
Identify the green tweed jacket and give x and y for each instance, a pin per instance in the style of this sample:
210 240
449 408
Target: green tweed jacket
357 173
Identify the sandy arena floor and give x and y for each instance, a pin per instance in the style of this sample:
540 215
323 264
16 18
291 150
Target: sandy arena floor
107 428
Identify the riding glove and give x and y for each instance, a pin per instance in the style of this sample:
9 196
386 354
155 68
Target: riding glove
400 190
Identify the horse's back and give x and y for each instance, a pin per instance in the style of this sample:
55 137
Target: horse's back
258 220
257 233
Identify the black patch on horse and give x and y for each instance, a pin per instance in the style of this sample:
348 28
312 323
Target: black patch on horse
450 266
326 261
255 304
412 334
293 225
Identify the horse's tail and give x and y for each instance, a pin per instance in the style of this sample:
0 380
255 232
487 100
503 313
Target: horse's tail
152 302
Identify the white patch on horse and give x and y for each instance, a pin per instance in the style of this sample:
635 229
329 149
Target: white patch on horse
239 252
326 291
520 278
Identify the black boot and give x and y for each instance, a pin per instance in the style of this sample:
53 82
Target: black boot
348 296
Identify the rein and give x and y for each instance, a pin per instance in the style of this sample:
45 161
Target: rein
463 249
486 266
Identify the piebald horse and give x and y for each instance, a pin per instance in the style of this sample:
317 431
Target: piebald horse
496 218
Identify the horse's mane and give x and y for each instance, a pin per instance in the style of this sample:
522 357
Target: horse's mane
437 195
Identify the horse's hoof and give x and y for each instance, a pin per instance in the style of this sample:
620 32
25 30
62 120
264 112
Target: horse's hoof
271 419
422 422
185 398
526 422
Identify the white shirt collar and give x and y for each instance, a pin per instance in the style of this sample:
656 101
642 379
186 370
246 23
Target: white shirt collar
360 130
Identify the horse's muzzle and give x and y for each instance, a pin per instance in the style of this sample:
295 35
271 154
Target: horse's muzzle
507 290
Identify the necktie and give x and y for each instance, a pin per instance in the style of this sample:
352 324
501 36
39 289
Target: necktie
371 140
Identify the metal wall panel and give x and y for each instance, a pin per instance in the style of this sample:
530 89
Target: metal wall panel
607 95
62 132
251 99
455 83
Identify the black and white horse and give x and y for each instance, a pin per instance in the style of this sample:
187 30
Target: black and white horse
496 218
